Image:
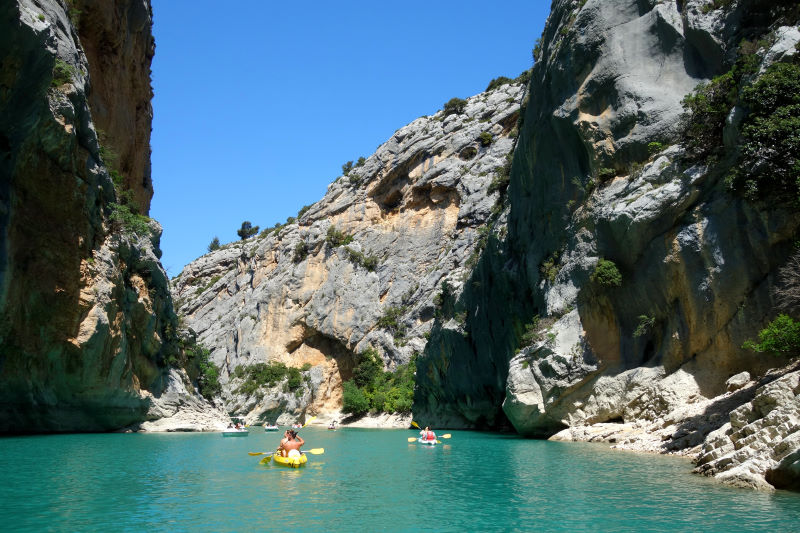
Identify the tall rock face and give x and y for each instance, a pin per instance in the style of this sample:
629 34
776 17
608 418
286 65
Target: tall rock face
86 316
118 43
601 184
382 243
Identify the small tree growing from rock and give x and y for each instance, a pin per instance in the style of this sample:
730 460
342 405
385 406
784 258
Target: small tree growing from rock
247 230
214 245
780 337
454 106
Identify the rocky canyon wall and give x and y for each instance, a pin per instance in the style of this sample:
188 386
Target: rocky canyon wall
601 173
86 320
411 220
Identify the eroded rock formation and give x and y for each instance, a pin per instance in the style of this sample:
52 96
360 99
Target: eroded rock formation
417 210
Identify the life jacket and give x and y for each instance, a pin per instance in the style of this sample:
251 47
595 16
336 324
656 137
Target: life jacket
430 436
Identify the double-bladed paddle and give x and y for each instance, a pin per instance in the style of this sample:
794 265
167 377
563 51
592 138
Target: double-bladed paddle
445 436
312 451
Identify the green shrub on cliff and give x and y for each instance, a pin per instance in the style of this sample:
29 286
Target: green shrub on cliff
606 274
208 373
335 238
214 245
780 337
502 177
531 333
498 81
445 301
372 389
353 400
549 267
454 106
654 147
765 160
370 262
390 321
707 107
606 174
368 368
770 147
300 252
267 374
645 325
128 221
63 73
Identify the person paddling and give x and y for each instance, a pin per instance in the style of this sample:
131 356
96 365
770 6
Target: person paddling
427 435
291 444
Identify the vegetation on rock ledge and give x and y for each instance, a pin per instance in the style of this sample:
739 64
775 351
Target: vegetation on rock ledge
606 274
372 389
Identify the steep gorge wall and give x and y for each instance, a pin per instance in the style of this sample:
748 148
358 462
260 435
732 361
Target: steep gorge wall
419 208
86 320
118 43
696 259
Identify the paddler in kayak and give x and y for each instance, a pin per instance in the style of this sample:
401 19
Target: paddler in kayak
291 444
427 435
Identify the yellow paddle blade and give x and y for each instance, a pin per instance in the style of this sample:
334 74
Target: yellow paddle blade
309 421
415 424
265 460
315 451
256 453
412 439
445 436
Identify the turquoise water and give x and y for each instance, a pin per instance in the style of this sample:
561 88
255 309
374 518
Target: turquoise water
367 480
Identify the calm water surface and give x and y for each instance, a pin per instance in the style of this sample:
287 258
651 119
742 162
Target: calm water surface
367 480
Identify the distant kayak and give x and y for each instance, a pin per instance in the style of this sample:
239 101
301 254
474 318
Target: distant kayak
232 432
270 428
427 442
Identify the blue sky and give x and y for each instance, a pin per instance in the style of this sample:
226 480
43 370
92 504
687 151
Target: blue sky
258 103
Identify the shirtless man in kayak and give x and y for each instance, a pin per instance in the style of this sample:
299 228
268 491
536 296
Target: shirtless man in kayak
291 442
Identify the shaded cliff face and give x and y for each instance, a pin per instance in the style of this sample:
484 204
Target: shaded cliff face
696 260
118 43
416 211
85 308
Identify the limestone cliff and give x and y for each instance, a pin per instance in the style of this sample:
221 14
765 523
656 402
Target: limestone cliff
694 262
86 319
417 212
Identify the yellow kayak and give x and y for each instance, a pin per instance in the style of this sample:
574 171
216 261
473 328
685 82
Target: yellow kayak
293 462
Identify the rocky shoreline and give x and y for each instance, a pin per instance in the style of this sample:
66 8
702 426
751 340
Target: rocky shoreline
747 437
